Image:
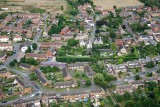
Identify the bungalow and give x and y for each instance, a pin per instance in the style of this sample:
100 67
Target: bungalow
4 39
67 84
89 71
121 89
6 47
37 56
25 66
76 66
66 74
64 30
17 38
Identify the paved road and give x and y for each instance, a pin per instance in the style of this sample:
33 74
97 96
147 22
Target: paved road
131 78
129 29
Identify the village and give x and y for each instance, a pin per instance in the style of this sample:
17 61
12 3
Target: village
90 55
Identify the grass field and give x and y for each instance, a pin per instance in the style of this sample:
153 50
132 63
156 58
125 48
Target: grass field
51 6
108 4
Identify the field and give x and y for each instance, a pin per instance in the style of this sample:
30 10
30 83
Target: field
52 6
108 4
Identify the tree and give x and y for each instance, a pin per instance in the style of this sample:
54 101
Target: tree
29 49
114 6
129 103
62 8
113 46
54 29
127 96
150 64
120 61
137 77
88 82
34 46
12 64
72 42
100 80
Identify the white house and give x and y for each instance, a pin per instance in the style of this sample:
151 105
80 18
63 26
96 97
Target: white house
17 38
6 47
4 39
24 48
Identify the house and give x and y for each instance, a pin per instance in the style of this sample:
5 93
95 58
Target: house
136 84
121 89
151 79
122 51
83 95
106 52
120 67
64 30
36 56
66 74
25 66
24 89
4 39
48 45
145 61
5 74
57 64
82 36
97 93
89 71
98 41
6 47
26 15
41 77
66 84
68 36
56 37
51 52
2 95
76 66
3 57
157 37
17 38
133 64
119 42
82 43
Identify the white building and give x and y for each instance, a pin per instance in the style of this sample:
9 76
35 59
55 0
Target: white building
17 38
6 47
4 39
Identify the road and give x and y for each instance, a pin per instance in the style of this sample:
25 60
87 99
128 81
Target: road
129 29
130 78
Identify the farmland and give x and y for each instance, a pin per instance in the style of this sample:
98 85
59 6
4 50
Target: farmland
24 5
108 4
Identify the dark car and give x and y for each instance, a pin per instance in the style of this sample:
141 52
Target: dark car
4 101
